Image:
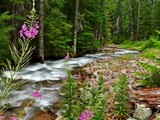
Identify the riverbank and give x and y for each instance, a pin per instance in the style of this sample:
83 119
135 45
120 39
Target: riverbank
111 65
111 69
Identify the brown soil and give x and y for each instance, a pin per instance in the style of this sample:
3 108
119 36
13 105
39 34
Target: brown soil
44 116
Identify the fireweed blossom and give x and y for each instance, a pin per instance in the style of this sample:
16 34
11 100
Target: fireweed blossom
88 78
108 58
67 57
1 117
65 77
13 118
29 31
37 94
86 115
79 77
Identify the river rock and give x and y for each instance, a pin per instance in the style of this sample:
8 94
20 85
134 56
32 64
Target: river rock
142 113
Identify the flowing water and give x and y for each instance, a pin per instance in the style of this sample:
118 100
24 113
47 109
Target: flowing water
47 78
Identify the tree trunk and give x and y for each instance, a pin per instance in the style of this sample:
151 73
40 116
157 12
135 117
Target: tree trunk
152 2
41 31
131 20
95 36
76 27
138 20
13 32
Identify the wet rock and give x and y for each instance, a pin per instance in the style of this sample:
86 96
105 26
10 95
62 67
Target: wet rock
142 112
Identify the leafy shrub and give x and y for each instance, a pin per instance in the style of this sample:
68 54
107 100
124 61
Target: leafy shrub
152 78
121 97
151 43
151 54
70 101
132 44
80 96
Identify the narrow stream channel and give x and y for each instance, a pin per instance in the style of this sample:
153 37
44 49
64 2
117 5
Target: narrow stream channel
47 78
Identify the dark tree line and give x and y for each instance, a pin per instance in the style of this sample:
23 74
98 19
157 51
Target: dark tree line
78 26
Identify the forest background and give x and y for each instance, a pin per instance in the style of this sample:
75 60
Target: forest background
78 26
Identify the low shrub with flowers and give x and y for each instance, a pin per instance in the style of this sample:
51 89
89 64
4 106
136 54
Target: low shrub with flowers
21 59
82 100
122 108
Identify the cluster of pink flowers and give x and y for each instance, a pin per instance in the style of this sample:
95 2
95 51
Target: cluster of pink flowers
29 31
10 118
37 94
86 115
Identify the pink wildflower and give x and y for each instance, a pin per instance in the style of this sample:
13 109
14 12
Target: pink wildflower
37 94
36 25
21 33
108 58
13 118
29 31
65 77
1 117
67 57
24 27
34 32
88 78
79 77
86 115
